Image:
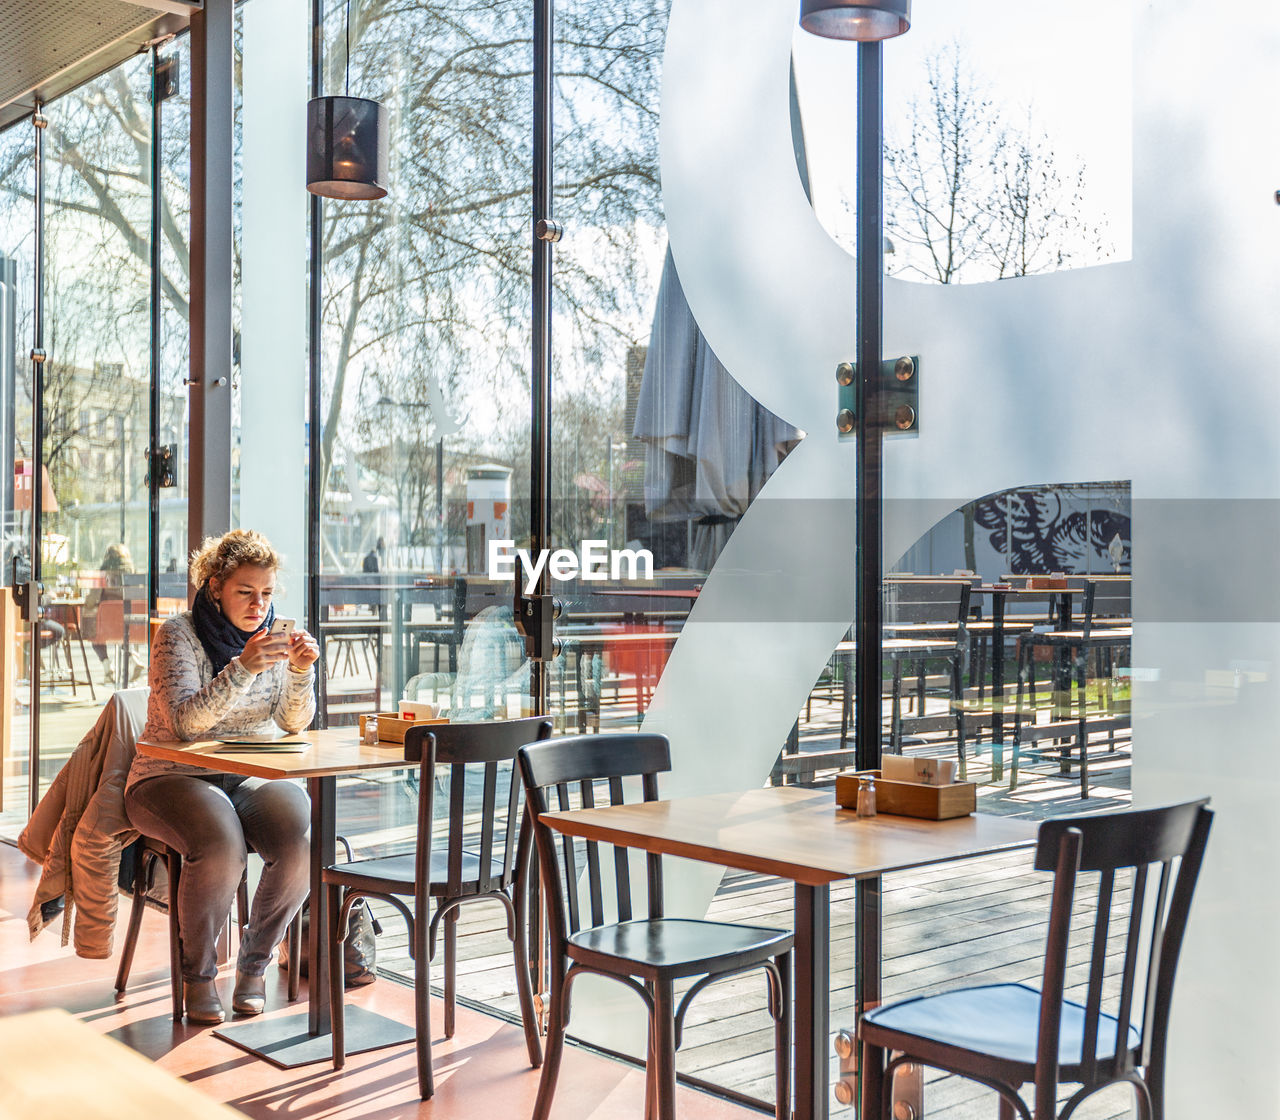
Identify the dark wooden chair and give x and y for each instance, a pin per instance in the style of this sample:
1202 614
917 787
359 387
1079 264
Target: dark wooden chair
149 856
1006 1036
1071 720
481 859
646 954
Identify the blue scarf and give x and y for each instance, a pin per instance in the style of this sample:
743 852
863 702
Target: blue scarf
221 640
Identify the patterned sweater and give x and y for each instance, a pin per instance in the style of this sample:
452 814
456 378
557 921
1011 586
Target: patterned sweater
188 702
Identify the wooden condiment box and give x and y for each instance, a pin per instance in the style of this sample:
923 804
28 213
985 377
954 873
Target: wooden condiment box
391 728
1047 583
909 799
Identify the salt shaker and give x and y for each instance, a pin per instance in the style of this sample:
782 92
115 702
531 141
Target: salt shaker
866 798
371 731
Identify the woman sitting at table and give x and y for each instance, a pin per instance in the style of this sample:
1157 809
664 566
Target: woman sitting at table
216 672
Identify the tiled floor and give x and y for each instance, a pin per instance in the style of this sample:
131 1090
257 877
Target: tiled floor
482 1072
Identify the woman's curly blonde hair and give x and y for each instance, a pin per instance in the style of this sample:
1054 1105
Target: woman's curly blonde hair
218 557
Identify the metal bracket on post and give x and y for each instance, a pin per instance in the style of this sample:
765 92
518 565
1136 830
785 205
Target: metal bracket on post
898 396
906 1091
535 617
161 462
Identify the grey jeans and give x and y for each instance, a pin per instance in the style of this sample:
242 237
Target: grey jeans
213 823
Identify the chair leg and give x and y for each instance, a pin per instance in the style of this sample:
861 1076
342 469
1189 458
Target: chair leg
524 986
174 862
295 956
84 657
557 1021
782 1040
663 1071
422 1001
450 970
1007 1111
651 1066
1144 1104
336 935
135 924
874 1101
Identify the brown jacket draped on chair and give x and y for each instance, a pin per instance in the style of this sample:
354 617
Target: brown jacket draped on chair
79 828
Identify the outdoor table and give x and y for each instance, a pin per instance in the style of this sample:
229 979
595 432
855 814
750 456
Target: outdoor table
800 834
298 1039
898 650
586 642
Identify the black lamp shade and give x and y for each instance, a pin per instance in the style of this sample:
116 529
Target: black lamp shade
862 20
346 148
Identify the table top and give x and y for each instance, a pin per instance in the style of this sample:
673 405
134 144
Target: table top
794 833
58 1068
904 645
336 750
617 637
1041 592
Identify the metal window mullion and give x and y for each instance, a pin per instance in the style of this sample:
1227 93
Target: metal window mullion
37 465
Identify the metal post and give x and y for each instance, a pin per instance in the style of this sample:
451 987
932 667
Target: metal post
153 438
315 378
440 503
870 497
37 466
209 490
543 238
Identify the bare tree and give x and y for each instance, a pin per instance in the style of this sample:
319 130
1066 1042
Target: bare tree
425 293
970 195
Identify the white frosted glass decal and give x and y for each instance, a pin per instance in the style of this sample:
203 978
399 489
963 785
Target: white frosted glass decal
1161 370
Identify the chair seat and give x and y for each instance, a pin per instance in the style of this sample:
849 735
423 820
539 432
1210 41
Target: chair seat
394 874
674 947
998 1021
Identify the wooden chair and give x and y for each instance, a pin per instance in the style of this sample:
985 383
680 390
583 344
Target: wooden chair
646 954
487 864
1006 1036
150 856
1068 651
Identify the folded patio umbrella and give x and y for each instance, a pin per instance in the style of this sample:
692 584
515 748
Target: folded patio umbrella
710 446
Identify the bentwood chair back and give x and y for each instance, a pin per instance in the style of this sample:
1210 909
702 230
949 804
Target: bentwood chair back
647 954
483 856
1142 866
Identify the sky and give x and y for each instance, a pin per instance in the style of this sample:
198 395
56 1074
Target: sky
1075 76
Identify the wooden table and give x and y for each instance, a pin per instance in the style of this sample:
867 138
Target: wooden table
799 834
299 1039
57 1068
587 642
897 650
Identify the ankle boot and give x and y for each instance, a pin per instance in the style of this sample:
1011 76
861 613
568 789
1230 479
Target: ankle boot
202 1002
250 996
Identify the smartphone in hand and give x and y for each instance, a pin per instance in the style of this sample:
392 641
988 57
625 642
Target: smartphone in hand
282 627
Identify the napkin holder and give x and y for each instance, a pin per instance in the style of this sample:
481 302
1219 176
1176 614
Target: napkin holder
909 799
392 727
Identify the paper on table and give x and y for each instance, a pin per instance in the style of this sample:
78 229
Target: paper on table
289 744
262 748
927 771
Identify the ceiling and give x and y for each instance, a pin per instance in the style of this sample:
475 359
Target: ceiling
48 47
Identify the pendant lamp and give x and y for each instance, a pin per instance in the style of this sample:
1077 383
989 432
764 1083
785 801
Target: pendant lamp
346 142
861 20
